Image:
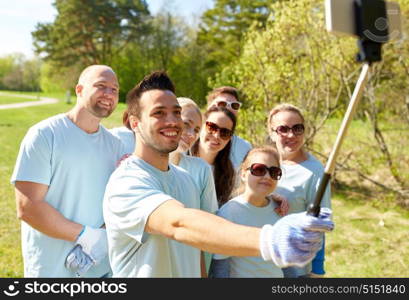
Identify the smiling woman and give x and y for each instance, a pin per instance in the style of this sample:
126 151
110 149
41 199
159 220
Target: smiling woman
214 146
301 172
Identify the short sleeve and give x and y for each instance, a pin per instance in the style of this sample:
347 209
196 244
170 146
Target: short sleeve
208 198
127 210
34 158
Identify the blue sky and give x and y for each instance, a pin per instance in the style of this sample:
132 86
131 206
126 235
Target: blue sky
19 17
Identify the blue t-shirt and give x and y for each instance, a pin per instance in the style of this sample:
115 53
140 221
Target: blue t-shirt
75 166
202 174
126 136
239 211
239 149
134 191
299 184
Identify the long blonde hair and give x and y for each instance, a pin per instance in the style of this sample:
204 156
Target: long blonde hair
246 162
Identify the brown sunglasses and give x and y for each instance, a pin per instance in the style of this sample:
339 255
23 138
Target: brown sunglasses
212 128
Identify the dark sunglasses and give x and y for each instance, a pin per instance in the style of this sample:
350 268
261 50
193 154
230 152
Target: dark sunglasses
212 128
297 129
232 105
262 169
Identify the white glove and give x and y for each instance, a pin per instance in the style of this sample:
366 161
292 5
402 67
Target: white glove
94 243
78 261
294 239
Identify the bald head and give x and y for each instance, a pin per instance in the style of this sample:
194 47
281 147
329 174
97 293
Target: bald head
92 70
97 90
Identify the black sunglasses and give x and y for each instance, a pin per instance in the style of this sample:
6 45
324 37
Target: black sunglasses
297 129
212 128
262 169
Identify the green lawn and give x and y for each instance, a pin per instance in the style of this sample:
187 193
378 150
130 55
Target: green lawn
370 237
6 99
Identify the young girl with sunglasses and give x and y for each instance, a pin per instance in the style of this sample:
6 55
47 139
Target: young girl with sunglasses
259 174
302 173
214 146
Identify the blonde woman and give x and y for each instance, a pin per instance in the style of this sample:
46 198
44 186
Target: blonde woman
302 172
195 166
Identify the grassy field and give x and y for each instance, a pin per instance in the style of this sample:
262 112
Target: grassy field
6 99
371 238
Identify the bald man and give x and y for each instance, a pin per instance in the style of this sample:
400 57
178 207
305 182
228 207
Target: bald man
60 176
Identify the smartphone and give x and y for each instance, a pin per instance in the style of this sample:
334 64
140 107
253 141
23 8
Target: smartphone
340 19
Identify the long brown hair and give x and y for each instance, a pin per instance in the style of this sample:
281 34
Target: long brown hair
224 174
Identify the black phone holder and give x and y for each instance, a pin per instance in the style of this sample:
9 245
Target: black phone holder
371 25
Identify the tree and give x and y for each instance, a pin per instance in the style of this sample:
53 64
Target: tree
18 73
172 47
6 66
90 32
223 29
292 60
296 60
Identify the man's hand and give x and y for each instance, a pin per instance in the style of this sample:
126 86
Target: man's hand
295 239
78 261
94 243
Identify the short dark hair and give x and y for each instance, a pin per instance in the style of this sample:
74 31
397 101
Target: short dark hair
222 90
157 80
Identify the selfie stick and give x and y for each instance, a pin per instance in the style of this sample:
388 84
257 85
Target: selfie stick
369 51
314 208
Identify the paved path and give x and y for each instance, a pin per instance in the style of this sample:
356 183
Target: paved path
42 101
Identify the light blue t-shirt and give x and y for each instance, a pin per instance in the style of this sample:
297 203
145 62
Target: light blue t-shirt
299 185
202 174
239 211
134 191
239 149
76 167
126 136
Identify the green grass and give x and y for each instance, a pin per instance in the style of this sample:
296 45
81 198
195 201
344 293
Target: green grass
5 99
368 240
370 237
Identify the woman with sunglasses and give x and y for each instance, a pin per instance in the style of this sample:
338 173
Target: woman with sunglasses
196 167
228 97
302 173
259 174
214 146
